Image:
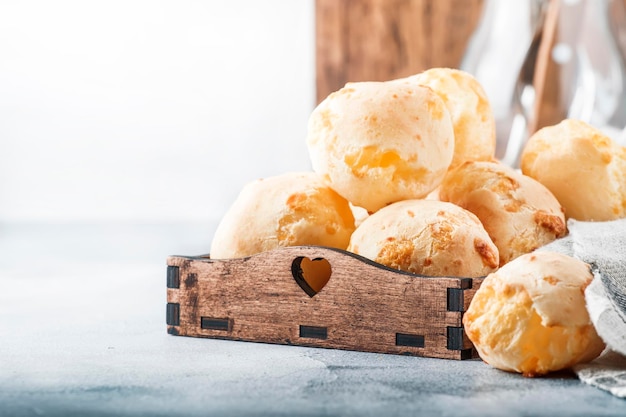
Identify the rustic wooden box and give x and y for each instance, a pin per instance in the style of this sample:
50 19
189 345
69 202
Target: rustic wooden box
364 306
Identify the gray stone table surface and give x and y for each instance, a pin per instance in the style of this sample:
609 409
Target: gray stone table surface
82 333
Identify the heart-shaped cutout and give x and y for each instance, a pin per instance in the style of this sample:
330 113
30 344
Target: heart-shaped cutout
311 275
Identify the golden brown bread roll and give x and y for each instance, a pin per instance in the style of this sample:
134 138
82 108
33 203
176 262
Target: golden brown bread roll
530 315
426 237
472 117
381 142
287 210
583 168
518 212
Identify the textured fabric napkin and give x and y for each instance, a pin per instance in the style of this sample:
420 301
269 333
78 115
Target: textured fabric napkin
603 245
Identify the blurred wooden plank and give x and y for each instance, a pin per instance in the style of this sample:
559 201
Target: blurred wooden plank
548 109
359 40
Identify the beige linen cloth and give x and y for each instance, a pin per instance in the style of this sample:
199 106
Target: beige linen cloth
603 245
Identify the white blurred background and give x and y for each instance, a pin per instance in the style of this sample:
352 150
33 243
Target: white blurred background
149 111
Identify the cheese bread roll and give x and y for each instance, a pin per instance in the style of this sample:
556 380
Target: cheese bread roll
582 167
426 237
468 105
381 142
530 315
287 210
518 212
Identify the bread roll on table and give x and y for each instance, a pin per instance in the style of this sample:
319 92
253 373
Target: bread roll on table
530 316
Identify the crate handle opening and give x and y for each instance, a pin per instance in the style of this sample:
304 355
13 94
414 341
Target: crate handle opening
311 275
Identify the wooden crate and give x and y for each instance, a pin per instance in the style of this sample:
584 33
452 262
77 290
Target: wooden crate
364 306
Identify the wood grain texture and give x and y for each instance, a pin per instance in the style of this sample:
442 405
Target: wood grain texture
363 307
377 40
548 109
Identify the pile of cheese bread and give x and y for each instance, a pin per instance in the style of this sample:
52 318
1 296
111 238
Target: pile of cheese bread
404 174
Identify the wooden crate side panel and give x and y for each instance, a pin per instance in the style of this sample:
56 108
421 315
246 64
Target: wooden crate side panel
362 307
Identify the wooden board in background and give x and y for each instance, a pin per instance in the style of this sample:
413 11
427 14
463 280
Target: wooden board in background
377 40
